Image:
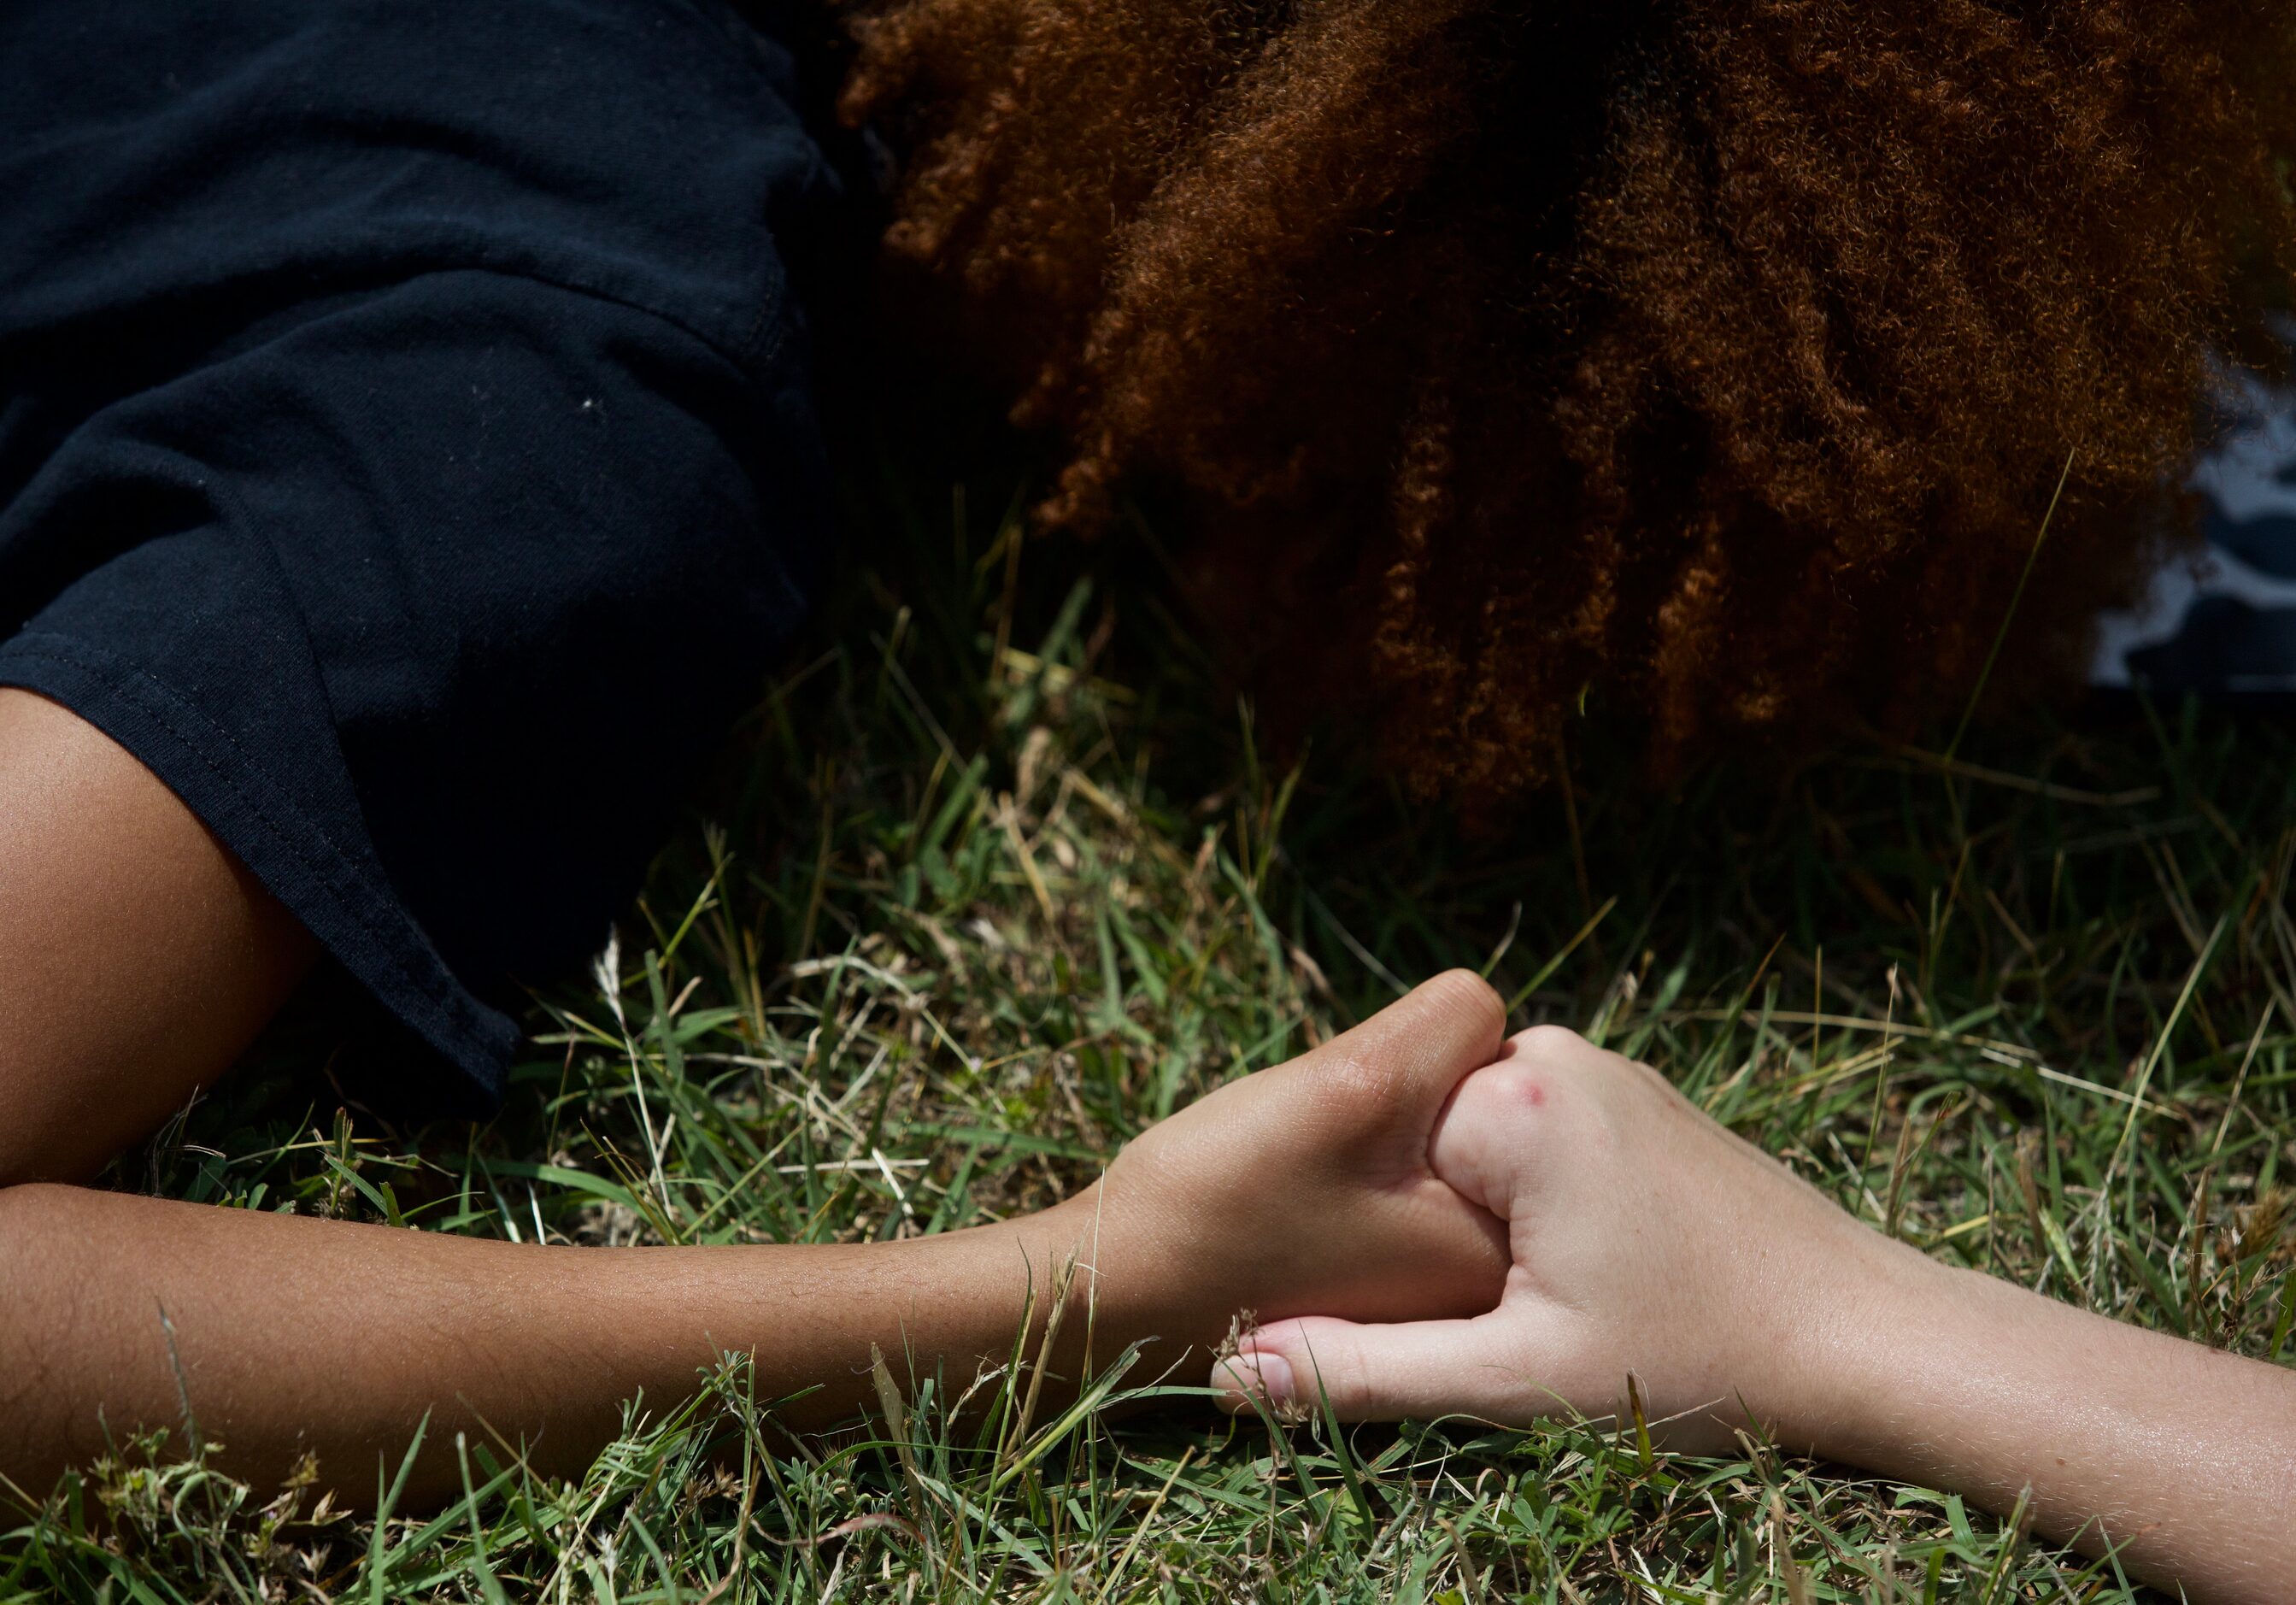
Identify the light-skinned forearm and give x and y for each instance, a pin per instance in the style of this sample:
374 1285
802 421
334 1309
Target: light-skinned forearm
1648 1241
2181 1458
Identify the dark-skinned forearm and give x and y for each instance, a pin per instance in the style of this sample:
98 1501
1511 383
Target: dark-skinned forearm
290 1334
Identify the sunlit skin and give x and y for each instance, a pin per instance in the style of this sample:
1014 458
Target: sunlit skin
138 960
136 957
1646 1239
1425 1218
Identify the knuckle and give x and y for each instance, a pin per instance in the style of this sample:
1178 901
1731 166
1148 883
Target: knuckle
1551 1045
1497 1092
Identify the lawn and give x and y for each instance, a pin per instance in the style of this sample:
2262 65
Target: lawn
999 874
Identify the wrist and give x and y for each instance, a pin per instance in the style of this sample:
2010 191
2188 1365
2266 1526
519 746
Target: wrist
1953 1354
1129 1283
1081 1317
1862 1348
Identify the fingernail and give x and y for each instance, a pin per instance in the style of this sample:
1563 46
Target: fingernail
1263 1374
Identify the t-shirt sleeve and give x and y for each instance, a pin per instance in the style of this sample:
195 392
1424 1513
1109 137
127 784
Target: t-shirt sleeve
427 600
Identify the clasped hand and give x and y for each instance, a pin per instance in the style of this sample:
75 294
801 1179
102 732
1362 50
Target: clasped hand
1424 1219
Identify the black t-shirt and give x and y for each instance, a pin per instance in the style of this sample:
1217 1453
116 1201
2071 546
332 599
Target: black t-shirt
404 447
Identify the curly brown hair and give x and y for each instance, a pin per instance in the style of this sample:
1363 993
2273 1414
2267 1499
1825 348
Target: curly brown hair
1719 356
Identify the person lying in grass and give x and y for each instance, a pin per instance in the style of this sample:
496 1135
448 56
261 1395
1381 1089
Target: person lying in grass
400 398
1426 1221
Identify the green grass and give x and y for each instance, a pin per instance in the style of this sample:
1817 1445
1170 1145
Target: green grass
1000 875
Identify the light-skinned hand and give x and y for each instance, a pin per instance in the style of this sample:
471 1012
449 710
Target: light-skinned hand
1643 1239
1646 1240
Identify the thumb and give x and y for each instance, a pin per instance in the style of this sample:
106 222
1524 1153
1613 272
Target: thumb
1408 1057
1496 1367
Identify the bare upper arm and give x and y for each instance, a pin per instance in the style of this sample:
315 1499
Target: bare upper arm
137 956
